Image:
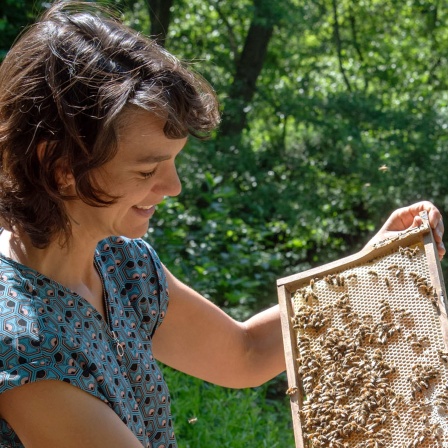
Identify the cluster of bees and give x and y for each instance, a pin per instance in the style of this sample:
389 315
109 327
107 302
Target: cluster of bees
347 372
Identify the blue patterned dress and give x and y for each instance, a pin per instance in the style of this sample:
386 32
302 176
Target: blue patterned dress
47 332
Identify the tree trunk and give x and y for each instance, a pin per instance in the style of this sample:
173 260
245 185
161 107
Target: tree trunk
248 68
159 14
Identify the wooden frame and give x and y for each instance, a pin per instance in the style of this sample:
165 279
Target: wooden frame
289 285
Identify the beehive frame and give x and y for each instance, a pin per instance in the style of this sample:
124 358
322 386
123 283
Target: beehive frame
381 317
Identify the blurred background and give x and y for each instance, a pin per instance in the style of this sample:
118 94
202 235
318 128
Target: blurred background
335 113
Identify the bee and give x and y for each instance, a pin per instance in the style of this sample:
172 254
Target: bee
329 279
343 300
420 281
291 390
416 344
384 309
403 313
434 301
340 281
421 377
443 396
387 281
391 329
373 273
311 296
408 252
426 290
415 409
384 432
411 337
443 356
431 371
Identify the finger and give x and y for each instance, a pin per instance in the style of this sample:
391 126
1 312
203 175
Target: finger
438 237
434 217
408 217
436 223
431 210
438 229
441 250
409 214
438 232
418 221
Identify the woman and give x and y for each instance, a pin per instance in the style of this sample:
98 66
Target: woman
92 117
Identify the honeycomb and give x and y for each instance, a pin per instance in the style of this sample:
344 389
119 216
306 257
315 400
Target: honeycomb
371 359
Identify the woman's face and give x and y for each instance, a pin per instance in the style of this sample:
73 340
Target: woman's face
142 173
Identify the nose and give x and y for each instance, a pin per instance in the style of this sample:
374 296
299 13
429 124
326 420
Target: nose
169 184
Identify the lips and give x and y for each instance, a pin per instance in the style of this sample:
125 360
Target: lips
145 211
143 207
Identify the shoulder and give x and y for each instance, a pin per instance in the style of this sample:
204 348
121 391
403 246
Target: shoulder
125 250
28 327
39 329
19 307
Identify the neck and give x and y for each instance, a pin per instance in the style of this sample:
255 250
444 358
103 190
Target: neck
71 265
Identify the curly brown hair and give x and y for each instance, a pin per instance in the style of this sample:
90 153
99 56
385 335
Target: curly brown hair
63 87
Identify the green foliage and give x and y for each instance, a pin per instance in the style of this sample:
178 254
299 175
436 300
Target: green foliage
15 15
214 417
302 185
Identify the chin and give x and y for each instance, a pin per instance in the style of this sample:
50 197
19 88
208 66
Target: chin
135 234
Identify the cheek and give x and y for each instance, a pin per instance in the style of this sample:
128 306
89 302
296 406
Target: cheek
112 180
124 193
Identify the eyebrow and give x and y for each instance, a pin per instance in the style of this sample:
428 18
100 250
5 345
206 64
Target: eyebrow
152 159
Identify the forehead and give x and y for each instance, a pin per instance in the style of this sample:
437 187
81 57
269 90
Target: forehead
137 123
141 138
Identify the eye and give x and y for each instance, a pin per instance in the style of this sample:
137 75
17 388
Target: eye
148 174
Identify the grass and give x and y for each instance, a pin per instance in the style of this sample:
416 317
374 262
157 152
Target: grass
209 416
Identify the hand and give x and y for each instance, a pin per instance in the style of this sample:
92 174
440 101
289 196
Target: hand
408 217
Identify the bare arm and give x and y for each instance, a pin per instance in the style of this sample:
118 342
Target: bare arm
55 414
198 338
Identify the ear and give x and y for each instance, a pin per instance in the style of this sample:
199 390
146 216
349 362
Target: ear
63 175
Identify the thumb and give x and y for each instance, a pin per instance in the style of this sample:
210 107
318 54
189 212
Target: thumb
418 221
